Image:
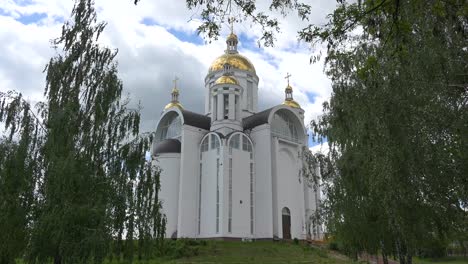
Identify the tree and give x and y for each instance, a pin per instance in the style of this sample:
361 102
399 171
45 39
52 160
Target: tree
76 175
397 119
17 168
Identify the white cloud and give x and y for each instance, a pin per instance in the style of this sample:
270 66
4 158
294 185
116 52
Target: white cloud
150 56
322 148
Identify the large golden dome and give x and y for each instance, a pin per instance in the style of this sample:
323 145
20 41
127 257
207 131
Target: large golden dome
235 60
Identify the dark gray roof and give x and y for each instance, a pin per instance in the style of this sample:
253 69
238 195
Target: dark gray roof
196 120
169 145
257 119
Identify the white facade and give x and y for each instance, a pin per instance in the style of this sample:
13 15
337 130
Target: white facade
233 172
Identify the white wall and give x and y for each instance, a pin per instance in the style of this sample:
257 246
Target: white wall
240 192
263 182
290 190
169 163
188 192
208 194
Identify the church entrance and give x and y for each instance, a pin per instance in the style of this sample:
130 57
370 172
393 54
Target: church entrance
286 223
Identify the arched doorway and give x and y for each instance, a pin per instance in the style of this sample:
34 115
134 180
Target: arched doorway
286 223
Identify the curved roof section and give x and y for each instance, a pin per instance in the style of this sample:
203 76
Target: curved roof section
196 120
169 145
257 119
263 117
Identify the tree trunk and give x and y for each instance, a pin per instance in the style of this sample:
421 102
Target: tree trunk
409 258
57 259
384 257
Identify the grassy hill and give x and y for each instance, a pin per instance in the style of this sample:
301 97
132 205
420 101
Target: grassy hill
257 252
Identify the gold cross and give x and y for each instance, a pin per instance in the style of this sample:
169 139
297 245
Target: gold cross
175 81
231 21
287 77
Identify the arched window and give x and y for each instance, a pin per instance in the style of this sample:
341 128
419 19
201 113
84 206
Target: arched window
286 219
215 144
204 145
169 127
285 126
234 143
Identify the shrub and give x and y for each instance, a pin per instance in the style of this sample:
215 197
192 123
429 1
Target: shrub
333 245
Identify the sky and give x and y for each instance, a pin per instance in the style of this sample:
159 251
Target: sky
156 41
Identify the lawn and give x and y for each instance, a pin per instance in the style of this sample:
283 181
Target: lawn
446 260
258 252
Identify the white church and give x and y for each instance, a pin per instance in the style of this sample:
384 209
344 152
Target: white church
233 172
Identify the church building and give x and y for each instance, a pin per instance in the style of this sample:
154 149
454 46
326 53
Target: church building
233 172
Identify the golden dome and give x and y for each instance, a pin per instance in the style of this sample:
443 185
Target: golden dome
292 103
235 60
231 36
174 104
288 88
226 80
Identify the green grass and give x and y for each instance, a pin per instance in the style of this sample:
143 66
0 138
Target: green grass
446 260
257 252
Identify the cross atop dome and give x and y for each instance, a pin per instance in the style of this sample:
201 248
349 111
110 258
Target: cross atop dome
175 81
231 21
288 75
175 96
288 92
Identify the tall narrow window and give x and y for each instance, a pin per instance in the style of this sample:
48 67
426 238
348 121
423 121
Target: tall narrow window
230 197
213 141
251 199
250 95
234 143
217 195
215 107
199 198
209 98
245 143
226 106
236 106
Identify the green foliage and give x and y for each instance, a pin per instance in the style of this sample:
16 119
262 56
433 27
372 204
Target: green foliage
183 248
73 172
296 241
395 124
214 13
434 248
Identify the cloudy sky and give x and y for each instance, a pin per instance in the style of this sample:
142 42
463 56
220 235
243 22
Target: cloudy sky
157 40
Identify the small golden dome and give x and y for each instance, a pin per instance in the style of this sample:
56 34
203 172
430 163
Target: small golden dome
235 60
175 91
292 103
174 104
288 88
231 36
226 80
